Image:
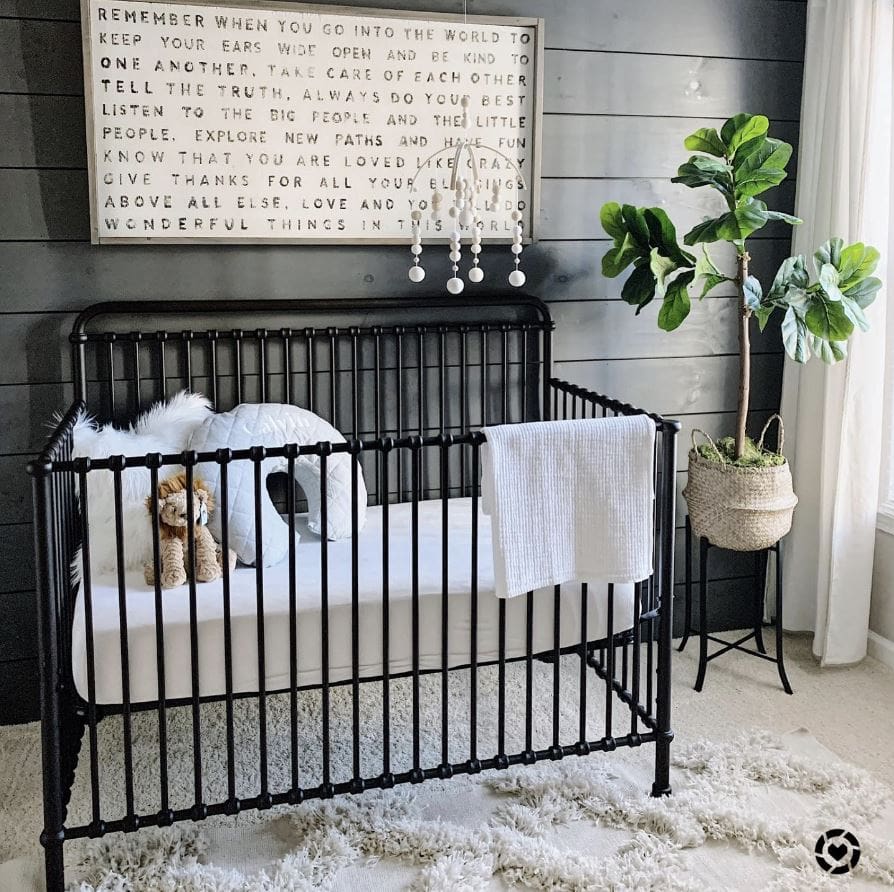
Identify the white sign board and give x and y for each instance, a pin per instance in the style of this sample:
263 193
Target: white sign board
229 121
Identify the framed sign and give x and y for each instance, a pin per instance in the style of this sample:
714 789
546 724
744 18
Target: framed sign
235 121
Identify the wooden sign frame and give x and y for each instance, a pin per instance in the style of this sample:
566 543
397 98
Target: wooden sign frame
249 6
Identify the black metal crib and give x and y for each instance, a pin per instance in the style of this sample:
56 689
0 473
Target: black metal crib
409 384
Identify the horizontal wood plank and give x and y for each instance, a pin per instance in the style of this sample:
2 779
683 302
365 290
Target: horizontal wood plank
35 347
16 559
570 207
18 632
42 131
70 276
19 692
58 10
40 57
15 490
611 330
600 145
27 411
618 84
691 385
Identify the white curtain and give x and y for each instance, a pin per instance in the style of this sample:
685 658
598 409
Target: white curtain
833 414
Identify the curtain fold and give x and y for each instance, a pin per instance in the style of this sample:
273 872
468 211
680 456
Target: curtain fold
834 414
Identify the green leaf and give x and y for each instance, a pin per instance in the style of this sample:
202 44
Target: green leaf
639 289
636 225
795 336
664 235
863 267
752 145
829 352
753 294
829 252
763 314
612 221
661 267
676 305
855 313
863 292
851 258
792 272
762 168
707 270
705 140
828 278
827 320
742 128
700 171
733 226
783 218
618 258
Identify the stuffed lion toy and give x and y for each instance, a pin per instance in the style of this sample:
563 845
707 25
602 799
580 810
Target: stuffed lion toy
174 534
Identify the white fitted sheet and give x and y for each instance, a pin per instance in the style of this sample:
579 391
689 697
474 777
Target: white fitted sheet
140 602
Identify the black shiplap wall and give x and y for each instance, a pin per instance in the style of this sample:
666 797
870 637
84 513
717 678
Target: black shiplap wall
625 81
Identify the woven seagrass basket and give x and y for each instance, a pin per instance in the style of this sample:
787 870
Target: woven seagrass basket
743 509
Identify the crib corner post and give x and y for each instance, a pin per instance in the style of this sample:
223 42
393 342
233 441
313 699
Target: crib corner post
667 517
52 837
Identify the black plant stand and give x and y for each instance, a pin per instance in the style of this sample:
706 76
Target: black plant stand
757 634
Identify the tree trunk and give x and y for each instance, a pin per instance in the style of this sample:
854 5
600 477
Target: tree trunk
744 357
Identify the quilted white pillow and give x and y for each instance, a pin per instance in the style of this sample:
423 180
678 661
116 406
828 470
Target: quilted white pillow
164 428
275 425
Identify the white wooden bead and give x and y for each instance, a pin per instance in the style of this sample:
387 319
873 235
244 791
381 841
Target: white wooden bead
417 273
476 274
452 211
416 249
416 215
516 215
435 215
465 102
456 235
475 249
455 255
455 285
516 278
517 230
466 217
516 249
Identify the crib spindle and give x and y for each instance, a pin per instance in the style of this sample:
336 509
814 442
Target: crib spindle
355 609
194 637
127 725
445 588
386 606
86 576
610 659
473 620
416 455
293 619
324 613
557 664
223 458
159 643
584 663
257 457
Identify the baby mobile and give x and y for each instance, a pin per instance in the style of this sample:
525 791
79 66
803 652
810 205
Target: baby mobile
465 210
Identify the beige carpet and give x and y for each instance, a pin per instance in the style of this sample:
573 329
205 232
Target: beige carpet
575 825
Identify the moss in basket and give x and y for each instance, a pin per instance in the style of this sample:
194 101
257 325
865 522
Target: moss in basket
752 457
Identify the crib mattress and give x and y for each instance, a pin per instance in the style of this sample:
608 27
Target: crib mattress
140 602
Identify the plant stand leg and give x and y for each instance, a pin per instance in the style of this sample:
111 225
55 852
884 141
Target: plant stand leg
687 614
780 665
704 545
759 596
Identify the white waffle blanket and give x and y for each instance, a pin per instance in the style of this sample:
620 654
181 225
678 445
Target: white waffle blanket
569 501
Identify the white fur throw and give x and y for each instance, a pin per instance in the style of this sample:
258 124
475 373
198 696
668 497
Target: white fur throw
275 425
165 428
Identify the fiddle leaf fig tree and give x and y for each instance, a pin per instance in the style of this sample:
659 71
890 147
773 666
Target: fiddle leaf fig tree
741 162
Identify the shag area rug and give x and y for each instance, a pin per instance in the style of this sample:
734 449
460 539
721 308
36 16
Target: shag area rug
746 814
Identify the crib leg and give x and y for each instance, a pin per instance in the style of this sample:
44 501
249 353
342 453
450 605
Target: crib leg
53 835
664 732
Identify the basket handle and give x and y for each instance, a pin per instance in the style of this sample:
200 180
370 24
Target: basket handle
778 419
698 430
